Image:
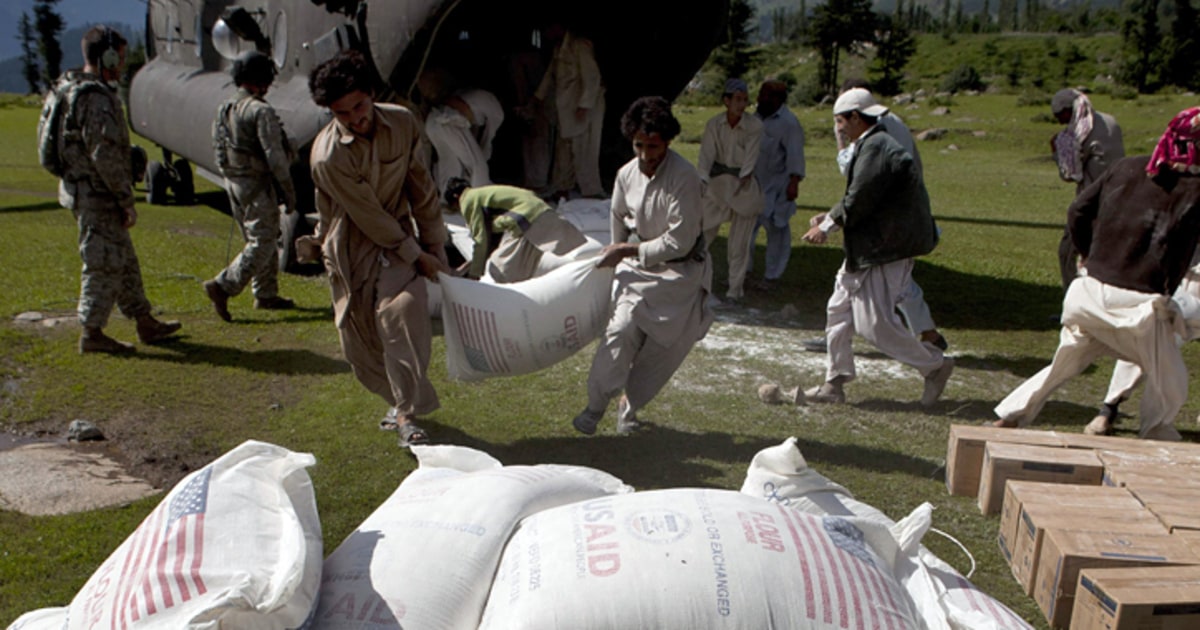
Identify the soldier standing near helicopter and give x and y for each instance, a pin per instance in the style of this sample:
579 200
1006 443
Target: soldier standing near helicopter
254 156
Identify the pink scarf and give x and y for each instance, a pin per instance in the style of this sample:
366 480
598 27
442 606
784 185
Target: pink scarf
1069 143
1176 148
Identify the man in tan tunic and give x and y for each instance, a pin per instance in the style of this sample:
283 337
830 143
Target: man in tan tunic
728 154
579 99
381 235
663 274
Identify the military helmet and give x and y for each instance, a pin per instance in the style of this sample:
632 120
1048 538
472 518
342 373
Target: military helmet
253 68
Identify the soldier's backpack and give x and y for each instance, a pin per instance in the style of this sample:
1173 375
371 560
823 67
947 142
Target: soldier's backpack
57 125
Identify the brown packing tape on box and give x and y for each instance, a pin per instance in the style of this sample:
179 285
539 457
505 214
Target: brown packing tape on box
1137 598
1065 553
964 452
1003 462
1126 517
1018 492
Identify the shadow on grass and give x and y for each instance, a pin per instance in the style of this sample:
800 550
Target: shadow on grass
956 299
975 411
660 457
291 362
1039 225
34 207
1023 367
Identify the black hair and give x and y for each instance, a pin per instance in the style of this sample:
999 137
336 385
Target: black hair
454 190
854 82
650 114
252 68
870 120
98 40
346 72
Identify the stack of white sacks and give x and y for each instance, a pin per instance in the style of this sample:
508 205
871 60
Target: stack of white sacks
465 542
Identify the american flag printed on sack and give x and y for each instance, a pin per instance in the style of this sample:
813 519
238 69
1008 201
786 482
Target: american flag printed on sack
480 339
162 567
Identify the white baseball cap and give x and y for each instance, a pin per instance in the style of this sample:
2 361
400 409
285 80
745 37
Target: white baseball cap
859 100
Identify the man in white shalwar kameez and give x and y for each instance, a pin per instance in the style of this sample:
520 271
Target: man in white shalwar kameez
461 131
663 273
728 155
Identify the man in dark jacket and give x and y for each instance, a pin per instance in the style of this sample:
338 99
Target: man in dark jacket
1136 228
886 220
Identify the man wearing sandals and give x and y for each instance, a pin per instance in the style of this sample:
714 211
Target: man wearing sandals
381 236
662 274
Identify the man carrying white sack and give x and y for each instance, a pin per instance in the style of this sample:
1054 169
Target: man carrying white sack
663 275
511 229
1136 229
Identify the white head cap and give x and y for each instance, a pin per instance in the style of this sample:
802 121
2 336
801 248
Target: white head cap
858 100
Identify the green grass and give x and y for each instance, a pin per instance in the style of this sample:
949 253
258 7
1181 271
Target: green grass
278 376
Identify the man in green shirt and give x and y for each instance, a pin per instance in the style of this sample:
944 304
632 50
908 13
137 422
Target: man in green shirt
512 228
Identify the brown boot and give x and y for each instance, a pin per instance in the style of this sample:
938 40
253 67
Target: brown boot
219 299
94 340
150 330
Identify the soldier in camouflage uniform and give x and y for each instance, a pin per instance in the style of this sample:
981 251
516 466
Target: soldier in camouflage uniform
97 186
254 155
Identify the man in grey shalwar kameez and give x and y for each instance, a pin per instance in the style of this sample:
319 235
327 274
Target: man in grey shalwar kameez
663 275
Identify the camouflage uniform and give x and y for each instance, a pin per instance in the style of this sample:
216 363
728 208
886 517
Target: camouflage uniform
254 155
97 186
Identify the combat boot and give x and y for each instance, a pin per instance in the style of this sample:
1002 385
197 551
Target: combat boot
150 330
94 340
219 299
276 303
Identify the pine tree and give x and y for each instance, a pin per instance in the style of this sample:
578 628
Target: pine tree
49 25
839 25
29 60
1183 65
735 55
1142 55
896 46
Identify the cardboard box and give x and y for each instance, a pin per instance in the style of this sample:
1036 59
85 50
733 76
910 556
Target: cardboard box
1190 537
1017 493
1003 462
1065 553
1037 518
1163 476
1125 459
1111 443
1178 508
1157 598
964 452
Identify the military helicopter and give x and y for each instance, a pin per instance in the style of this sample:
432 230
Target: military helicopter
643 47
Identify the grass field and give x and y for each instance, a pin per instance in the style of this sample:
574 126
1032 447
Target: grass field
278 376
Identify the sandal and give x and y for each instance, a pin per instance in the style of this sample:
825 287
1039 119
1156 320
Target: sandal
411 434
389 422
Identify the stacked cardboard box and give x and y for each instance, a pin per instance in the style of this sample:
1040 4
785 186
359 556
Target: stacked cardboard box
1117 515
964 452
1065 553
1157 598
1177 507
1003 462
1019 493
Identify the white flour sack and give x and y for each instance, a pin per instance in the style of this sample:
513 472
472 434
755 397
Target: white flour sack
43 619
236 544
426 557
691 558
944 598
507 329
593 217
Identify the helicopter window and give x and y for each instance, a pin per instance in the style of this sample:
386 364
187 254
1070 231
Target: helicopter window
227 43
199 35
279 40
